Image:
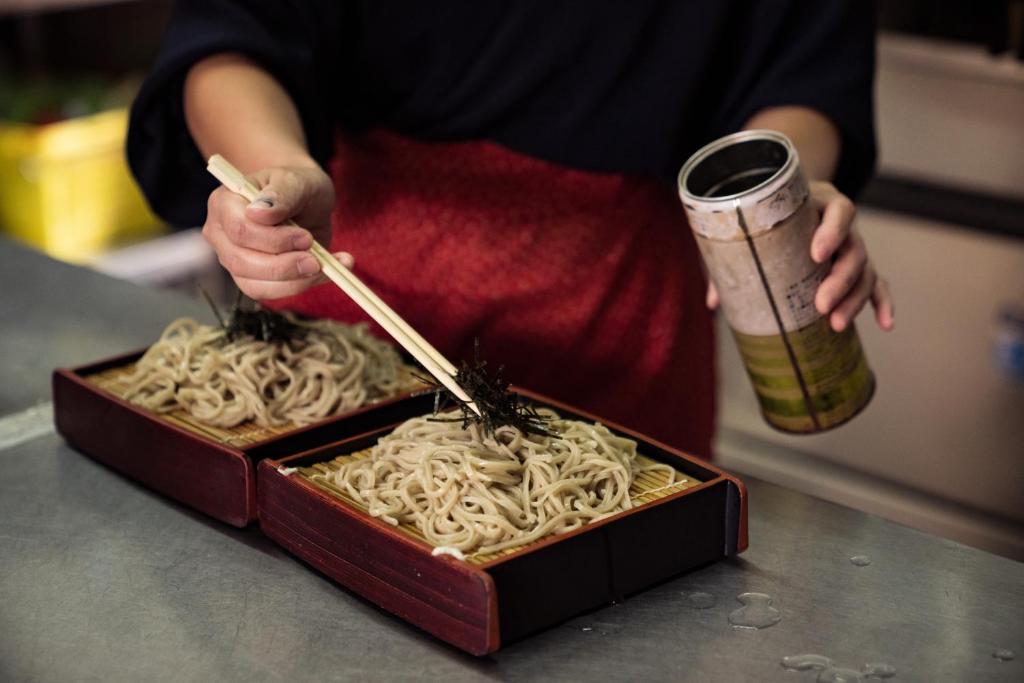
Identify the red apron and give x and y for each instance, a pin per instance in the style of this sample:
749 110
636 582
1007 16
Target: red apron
586 286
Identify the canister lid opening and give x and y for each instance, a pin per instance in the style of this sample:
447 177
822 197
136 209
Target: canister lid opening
736 168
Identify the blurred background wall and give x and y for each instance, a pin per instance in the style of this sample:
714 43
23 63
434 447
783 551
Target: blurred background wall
940 448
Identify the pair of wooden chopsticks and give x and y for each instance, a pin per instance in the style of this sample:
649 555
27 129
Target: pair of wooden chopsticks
420 349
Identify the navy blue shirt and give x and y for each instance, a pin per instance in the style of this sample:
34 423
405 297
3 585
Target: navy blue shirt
602 85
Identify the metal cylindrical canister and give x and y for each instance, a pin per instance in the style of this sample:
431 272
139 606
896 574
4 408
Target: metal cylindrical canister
749 206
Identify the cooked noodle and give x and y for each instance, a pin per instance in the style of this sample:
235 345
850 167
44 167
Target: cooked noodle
474 494
327 369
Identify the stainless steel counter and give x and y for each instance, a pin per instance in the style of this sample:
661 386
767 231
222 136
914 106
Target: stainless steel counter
103 580
53 314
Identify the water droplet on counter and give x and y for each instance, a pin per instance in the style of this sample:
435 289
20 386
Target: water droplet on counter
1003 655
757 612
806 662
828 672
839 674
879 670
860 560
700 600
597 627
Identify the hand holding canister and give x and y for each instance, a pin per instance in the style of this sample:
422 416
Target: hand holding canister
750 208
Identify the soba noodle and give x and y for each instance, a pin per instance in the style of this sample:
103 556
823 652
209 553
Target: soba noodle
326 369
471 493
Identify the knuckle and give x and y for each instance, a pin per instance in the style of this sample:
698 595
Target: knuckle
237 230
281 269
282 241
873 281
212 201
849 206
230 261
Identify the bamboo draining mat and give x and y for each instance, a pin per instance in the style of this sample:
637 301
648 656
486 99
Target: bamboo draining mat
114 381
647 487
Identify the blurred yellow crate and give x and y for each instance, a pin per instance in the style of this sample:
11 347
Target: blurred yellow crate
65 187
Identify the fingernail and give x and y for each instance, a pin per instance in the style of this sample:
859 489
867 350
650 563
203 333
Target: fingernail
262 202
308 265
302 242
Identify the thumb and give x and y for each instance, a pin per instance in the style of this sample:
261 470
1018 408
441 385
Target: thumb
276 203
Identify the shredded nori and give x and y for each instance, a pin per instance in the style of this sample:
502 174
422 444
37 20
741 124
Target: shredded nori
254 321
499 406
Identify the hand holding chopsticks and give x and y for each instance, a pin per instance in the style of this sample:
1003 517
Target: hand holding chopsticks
420 349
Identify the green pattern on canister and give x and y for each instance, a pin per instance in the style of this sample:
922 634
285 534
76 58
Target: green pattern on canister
834 369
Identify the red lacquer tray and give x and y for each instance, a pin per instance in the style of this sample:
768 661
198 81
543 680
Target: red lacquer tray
208 472
480 605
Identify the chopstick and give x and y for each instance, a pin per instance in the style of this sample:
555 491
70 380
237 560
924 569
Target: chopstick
403 333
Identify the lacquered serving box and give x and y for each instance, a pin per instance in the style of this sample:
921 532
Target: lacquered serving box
213 472
477 604
480 606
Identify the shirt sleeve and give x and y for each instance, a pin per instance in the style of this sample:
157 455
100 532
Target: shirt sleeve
292 40
820 55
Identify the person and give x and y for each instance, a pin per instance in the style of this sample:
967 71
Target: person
503 171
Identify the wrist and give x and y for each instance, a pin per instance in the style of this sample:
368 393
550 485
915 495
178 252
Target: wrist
814 135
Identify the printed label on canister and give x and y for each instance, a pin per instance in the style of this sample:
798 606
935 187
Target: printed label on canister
783 258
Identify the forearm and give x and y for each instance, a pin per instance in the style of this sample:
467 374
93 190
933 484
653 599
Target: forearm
235 108
816 138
